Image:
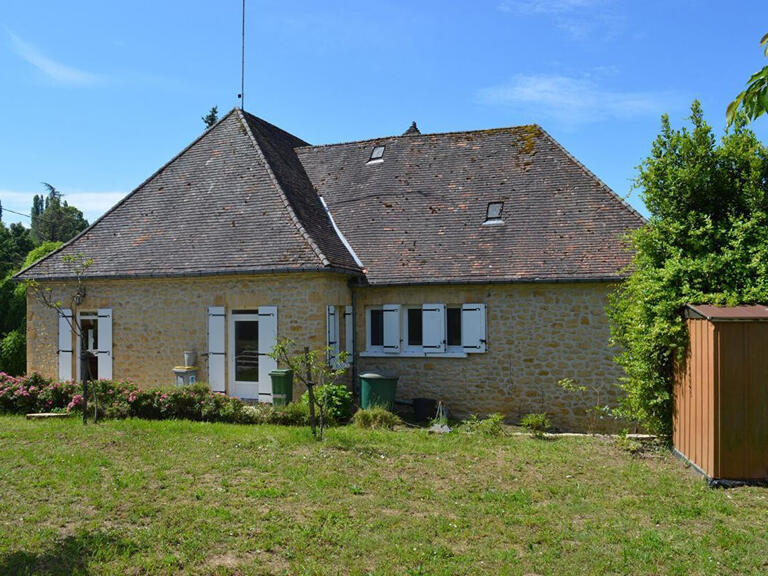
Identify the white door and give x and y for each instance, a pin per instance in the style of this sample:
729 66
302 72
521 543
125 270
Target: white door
252 335
244 355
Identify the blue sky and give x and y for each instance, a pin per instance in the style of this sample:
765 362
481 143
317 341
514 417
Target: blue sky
95 96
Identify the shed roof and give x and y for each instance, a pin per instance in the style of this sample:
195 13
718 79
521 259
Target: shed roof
754 312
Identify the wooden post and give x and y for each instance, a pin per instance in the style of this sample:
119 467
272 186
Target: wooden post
310 391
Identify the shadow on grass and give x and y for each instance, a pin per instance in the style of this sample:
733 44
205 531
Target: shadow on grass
66 556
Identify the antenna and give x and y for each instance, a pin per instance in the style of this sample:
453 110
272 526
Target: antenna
242 65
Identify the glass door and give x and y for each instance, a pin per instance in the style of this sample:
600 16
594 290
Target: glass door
244 355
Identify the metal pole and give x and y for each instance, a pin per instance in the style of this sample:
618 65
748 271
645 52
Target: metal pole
242 64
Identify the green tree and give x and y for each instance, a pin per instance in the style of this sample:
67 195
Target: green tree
15 242
706 242
13 312
753 101
53 220
212 117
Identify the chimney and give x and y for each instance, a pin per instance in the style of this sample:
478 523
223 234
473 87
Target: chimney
412 130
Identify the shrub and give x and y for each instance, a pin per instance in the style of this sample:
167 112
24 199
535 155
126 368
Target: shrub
537 423
704 242
375 417
335 398
493 425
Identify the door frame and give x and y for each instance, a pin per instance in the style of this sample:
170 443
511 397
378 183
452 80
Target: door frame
241 389
85 315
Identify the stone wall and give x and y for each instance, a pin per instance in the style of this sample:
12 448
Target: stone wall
156 320
537 335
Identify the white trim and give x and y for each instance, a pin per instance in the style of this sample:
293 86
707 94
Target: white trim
242 389
339 234
377 354
80 317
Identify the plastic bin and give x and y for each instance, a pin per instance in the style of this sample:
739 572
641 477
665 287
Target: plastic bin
378 390
282 387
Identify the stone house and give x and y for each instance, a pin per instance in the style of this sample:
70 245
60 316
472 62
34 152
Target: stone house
475 265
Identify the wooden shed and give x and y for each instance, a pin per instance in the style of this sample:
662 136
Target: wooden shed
720 418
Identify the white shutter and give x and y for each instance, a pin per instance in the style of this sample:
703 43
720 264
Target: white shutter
217 323
433 328
391 328
65 345
267 341
104 351
473 337
349 335
332 336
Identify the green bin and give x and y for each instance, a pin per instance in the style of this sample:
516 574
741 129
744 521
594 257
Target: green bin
378 390
282 387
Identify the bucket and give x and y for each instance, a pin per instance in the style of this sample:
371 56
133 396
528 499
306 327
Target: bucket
190 357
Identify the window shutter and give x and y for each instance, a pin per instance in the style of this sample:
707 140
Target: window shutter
332 336
267 341
473 337
104 351
217 356
433 326
65 345
349 334
391 328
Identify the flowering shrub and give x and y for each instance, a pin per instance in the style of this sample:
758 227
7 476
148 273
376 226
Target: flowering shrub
110 399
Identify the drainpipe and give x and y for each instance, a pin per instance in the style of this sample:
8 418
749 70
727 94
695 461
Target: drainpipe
355 386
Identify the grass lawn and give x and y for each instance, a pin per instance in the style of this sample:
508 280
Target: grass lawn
139 497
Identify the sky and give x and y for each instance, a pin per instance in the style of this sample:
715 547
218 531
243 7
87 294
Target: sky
95 96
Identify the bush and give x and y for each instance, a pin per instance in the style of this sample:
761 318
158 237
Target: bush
537 423
13 352
336 400
704 243
493 425
375 417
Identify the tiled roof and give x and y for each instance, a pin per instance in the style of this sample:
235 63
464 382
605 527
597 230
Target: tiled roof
236 200
243 198
418 216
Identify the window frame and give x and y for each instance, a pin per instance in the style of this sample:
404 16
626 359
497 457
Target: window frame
368 346
406 349
406 346
453 348
380 157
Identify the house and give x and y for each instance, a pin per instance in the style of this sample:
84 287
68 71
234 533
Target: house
474 265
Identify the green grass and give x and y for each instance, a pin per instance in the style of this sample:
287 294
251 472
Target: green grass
139 497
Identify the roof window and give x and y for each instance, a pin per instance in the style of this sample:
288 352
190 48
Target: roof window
493 213
377 155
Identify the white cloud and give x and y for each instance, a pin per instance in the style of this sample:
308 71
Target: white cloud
572 101
581 19
56 71
92 204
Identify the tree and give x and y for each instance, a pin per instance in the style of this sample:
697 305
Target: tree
53 220
312 369
706 242
754 100
212 117
13 311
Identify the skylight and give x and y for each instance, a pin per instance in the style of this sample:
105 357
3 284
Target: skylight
493 214
377 153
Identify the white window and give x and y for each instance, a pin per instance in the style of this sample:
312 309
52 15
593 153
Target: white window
95 338
427 330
